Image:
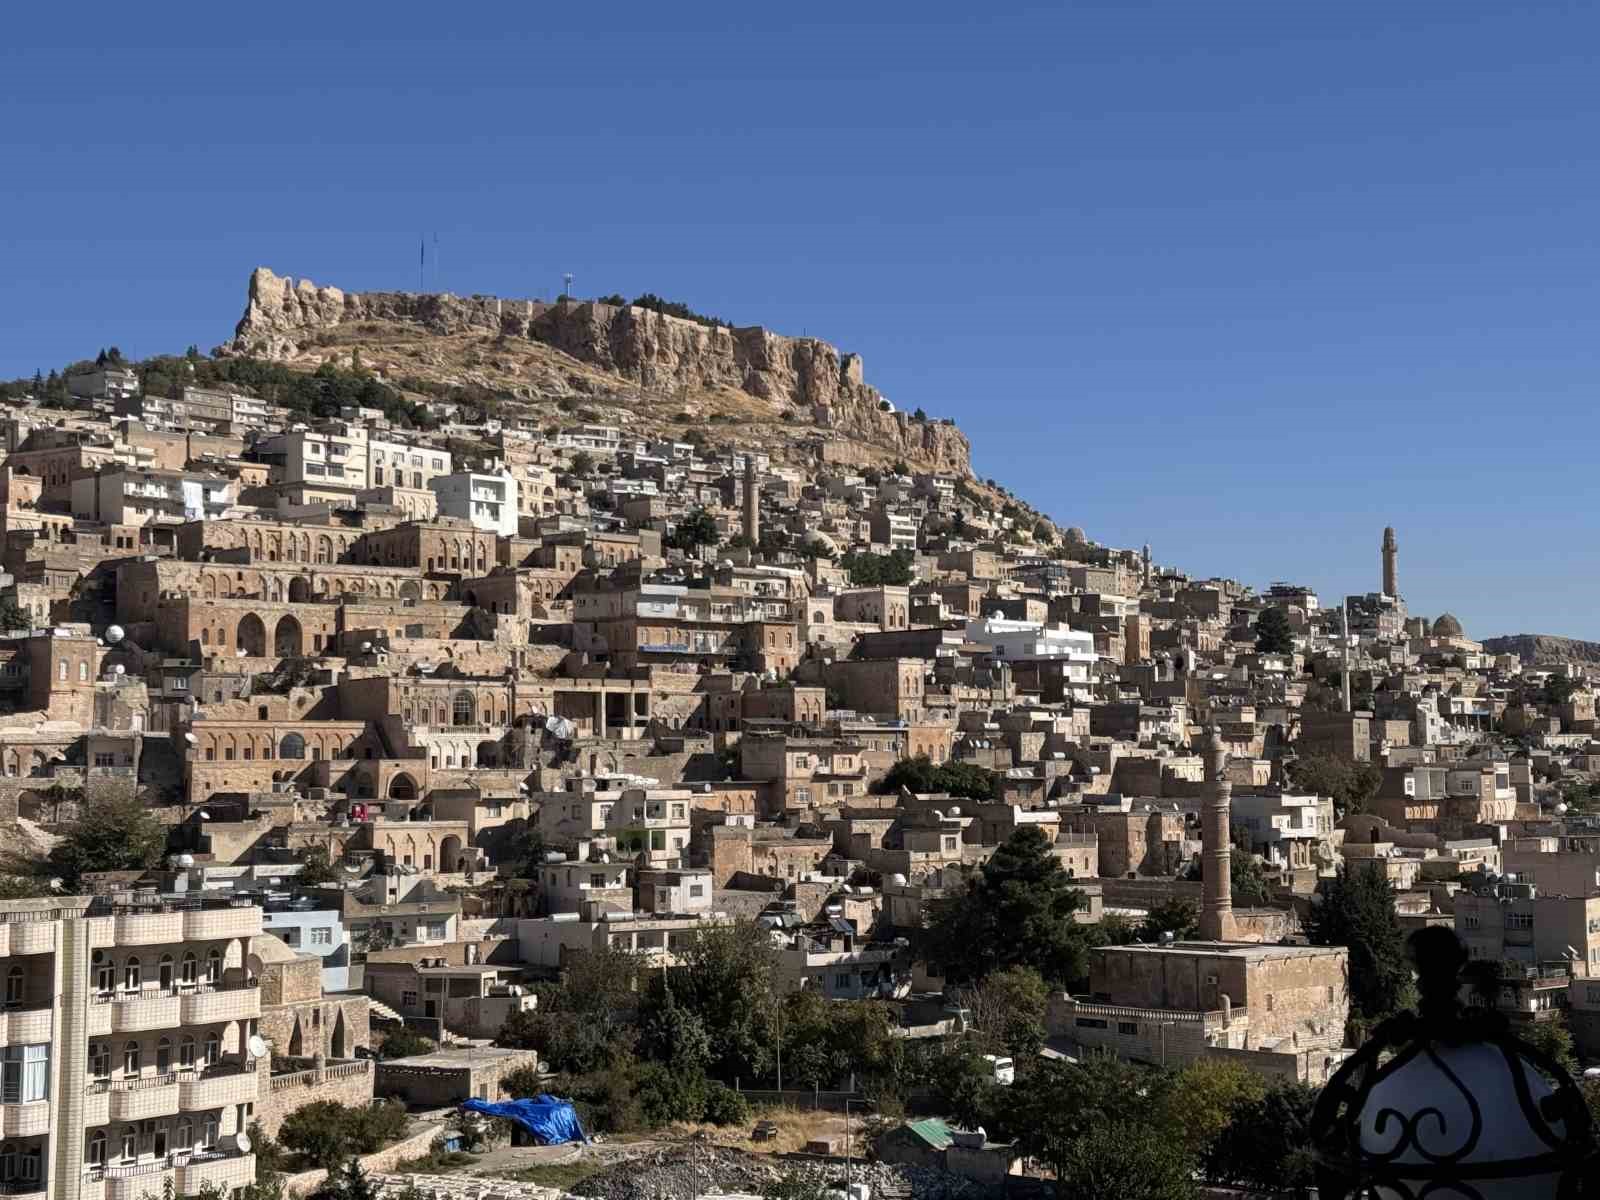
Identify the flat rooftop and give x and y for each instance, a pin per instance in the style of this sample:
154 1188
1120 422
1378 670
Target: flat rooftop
1246 950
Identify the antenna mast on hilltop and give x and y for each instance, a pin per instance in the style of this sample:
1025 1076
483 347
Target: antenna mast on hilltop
566 292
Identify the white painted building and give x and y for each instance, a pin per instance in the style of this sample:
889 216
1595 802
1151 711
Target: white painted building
487 500
1026 641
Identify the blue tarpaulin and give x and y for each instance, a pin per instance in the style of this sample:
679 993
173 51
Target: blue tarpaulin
549 1118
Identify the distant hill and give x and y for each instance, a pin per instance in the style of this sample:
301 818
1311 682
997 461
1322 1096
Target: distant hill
1544 648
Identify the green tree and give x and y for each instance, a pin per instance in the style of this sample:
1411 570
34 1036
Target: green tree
895 569
922 776
12 616
698 528
1007 1011
582 463
1204 1097
404 1043
110 834
352 1183
1553 1037
1273 633
1350 785
1356 909
1016 911
1266 1145
581 1023
315 869
727 977
1125 1160
1248 880
1174 915
318 1133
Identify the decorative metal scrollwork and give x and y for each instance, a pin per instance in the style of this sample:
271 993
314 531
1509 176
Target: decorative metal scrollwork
1447 1104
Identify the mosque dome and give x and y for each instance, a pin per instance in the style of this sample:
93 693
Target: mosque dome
1075 536
1448 627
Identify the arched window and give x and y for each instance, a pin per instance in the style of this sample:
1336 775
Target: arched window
100 1059
185 1136
61 673
213 1049
186 1053
163 1056
463 708
131 976
208 1136
14 985
214 966
97 1148
105 978
164 972
189 973
132 1061
292 746
130 1143
83 672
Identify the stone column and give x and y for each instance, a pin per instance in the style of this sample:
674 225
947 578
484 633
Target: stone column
1216 908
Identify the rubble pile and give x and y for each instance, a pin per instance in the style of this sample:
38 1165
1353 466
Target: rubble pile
687 1171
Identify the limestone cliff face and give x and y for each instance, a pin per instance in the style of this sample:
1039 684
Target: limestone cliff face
283 318
1543 649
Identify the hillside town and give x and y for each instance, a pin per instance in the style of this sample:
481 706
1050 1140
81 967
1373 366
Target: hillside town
442 746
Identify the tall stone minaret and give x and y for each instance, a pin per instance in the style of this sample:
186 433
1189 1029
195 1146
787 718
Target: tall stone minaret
1391 563
1145 559
1216 854
752 499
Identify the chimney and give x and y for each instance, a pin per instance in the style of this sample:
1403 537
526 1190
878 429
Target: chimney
1216 854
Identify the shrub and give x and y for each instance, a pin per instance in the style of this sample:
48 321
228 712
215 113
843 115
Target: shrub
666 1095
724 1106
403 1043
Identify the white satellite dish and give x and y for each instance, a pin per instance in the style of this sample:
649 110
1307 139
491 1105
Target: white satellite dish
120 669
114 634
191 739
258 1046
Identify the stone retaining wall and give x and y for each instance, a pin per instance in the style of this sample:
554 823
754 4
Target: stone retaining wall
414 1146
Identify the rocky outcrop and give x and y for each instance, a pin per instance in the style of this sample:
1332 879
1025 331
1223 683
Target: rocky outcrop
284 317
1544 649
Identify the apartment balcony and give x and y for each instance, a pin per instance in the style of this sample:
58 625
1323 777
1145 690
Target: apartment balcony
130 1181
132 1012
216 924
24 1189
224 1004
219 1088
148 929
225 1172
25 1120
27 1026
96 1103
144 1098
22 936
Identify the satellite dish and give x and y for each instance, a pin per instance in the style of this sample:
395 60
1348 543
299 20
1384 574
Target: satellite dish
241 1143
191 739
203 815
120 669
114 634
257 1045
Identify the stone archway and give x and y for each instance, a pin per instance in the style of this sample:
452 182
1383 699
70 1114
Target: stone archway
402 787
252 636
299 590
287 639
450 857
338 1044
488 754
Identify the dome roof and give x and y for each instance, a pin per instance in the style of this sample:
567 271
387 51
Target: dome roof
1448 626
1075 536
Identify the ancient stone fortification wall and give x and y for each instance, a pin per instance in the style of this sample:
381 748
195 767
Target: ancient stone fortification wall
283 316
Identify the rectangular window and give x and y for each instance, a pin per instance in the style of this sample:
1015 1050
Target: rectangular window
25 1074
322 936
1090 1023
1127 1027
408 999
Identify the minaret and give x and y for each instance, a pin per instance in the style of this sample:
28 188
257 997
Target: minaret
1391 563
1216 854
1146 558
752 499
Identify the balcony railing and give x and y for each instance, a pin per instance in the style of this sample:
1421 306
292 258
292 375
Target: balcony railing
94 1172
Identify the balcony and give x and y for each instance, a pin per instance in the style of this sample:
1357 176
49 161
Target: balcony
25 1120
27 937
223 1004
133 1012
26 1026
24 1189
97 1103
144 1099
225 1172
217 924
148 929
217 1089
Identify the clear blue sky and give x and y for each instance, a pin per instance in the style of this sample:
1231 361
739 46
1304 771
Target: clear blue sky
1244 280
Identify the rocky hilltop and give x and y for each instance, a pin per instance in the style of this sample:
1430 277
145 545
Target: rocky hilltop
1543 648
799 380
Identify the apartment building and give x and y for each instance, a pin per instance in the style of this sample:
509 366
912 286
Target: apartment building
127 1067
348 456
122 495
488 500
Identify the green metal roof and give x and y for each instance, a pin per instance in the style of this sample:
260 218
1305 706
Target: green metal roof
933 1131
